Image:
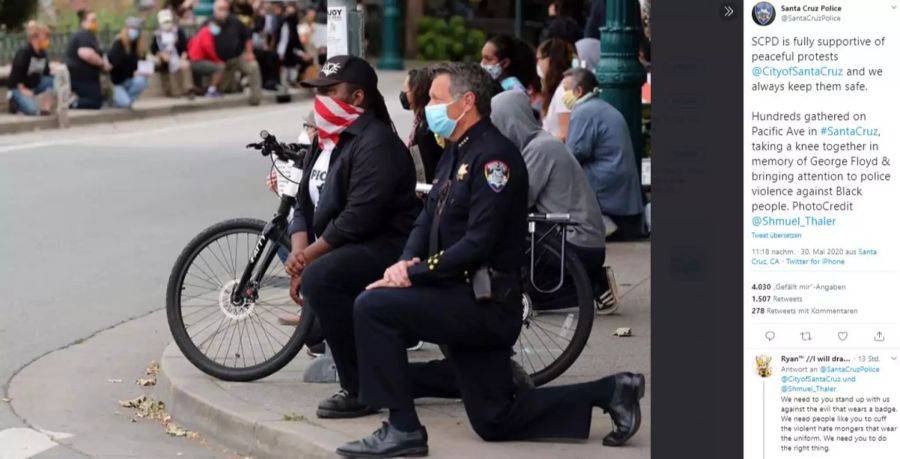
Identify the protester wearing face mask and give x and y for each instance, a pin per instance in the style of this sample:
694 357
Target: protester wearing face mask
355 208
205 62
600 140
511 63
422 142
30 83
169 48
126 51
554 57
84 61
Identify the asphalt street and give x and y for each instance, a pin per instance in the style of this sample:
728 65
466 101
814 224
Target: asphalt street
92 219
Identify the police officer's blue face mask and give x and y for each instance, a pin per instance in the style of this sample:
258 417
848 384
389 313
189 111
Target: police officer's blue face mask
439 121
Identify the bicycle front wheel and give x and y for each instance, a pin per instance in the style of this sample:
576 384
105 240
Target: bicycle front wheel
558 312
231 341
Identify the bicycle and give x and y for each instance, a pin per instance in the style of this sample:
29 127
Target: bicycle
234 302
243 288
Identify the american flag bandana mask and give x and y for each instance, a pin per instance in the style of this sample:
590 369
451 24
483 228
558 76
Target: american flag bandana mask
333 117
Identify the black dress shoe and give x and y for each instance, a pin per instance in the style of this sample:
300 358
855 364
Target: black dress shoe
388 442
343 405
625 408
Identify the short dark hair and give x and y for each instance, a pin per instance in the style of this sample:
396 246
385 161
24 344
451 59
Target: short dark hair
469 77
583 78
82 15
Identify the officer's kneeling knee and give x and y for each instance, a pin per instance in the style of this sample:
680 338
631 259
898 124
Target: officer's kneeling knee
369 305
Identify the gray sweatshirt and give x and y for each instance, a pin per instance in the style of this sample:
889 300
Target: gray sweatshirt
556 182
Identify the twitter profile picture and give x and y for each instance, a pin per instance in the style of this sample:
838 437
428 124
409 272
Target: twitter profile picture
763 13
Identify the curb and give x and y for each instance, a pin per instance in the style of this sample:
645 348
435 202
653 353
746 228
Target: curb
195 401
86 118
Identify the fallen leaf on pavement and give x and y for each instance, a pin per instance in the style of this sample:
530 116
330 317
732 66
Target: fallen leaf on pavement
623 331
146 407
152 369
175 430
6 400
133 403
294 417
114 381
145 382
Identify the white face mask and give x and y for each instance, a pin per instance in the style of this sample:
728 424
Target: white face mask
540 72
494 70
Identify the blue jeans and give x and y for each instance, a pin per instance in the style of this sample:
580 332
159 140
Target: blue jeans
27 105
127 93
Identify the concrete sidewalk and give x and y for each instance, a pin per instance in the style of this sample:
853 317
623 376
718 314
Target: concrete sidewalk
146 107
251 418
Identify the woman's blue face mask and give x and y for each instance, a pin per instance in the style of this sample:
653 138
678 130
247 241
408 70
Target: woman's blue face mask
439 121
214 28
133 34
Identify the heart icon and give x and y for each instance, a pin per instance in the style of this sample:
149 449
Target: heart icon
770 335
842 336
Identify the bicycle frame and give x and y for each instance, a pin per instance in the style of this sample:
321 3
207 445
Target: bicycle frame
245 290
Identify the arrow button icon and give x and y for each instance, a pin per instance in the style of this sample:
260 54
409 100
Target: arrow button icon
727 11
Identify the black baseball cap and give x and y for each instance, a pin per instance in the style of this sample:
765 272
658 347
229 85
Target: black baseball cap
344 69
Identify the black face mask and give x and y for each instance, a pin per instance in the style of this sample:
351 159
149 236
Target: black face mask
404 100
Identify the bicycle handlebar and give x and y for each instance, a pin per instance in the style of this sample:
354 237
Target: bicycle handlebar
269 145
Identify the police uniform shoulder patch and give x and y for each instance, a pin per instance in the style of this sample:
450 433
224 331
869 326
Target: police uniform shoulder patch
497 175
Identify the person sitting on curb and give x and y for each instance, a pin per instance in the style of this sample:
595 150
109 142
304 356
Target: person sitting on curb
169 47
85 62
205 63
30 82
557 185
126 51
234 45
600 140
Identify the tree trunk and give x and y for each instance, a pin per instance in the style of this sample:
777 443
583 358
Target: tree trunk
415 9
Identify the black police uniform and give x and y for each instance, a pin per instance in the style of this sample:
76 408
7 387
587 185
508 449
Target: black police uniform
474 216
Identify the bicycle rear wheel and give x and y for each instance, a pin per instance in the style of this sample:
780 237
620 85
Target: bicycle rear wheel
233 342
555 325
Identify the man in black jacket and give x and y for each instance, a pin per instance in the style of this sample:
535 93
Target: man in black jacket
30 77
235 47
355 208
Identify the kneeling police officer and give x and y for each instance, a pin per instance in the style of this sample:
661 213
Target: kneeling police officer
458 284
